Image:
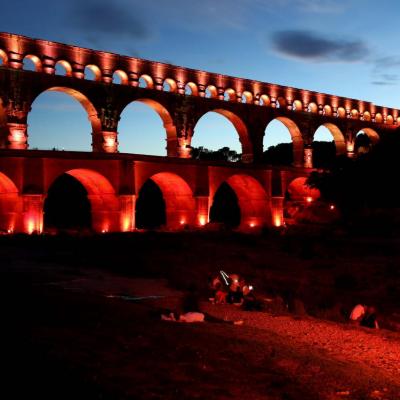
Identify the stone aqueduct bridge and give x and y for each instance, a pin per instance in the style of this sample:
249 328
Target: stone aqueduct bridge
181 96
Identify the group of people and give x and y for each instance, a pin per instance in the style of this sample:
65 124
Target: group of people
232 289
364 315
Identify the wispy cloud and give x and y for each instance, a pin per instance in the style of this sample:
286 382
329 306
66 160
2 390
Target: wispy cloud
385 71
310 6
313 47
101 20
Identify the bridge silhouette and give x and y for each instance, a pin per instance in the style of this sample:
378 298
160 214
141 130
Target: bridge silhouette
113 182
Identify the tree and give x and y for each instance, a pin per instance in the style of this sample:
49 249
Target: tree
223 154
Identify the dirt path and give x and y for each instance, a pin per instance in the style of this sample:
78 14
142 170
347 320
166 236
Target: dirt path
282 355
376 349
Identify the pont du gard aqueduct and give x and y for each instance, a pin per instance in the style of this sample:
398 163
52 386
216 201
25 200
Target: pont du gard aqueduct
181 96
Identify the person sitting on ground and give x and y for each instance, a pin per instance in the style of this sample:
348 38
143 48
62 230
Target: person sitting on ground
369 319
357 314
235 295
250 301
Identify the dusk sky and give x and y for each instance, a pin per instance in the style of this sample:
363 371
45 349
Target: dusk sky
348 48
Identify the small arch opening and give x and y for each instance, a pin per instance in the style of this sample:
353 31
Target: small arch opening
92 73
191 89
63 68
280 102
312 108
341 112
378 118
229 95
327 111
297 106
367 116
354 114
211 92
265 100
247 97
146 82
120 77
32 63
389 120
170 85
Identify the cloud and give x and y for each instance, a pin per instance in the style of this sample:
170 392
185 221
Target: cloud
387 62
99 20
310 6
310 46
383 83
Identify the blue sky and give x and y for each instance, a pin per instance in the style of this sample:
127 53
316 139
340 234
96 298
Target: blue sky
349 48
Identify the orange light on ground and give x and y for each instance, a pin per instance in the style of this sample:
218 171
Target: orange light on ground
277 221
31 226
202 220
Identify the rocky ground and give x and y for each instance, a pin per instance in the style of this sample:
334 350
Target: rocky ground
77 331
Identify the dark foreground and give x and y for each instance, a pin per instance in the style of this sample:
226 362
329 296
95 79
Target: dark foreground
74 341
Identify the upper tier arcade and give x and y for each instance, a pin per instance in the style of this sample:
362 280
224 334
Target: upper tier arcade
181 96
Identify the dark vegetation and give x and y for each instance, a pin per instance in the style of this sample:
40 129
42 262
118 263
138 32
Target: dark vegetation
365 188
223 154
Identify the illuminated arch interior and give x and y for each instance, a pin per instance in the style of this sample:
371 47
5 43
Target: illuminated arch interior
103 200
145 81
298 190
8 204
178 197
253 200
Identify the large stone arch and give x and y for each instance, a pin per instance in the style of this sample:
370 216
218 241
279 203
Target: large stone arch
8 204
90 109
102 197
297 139
241 129
164 114
180 206
338 137
253 201
372 134
298 190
